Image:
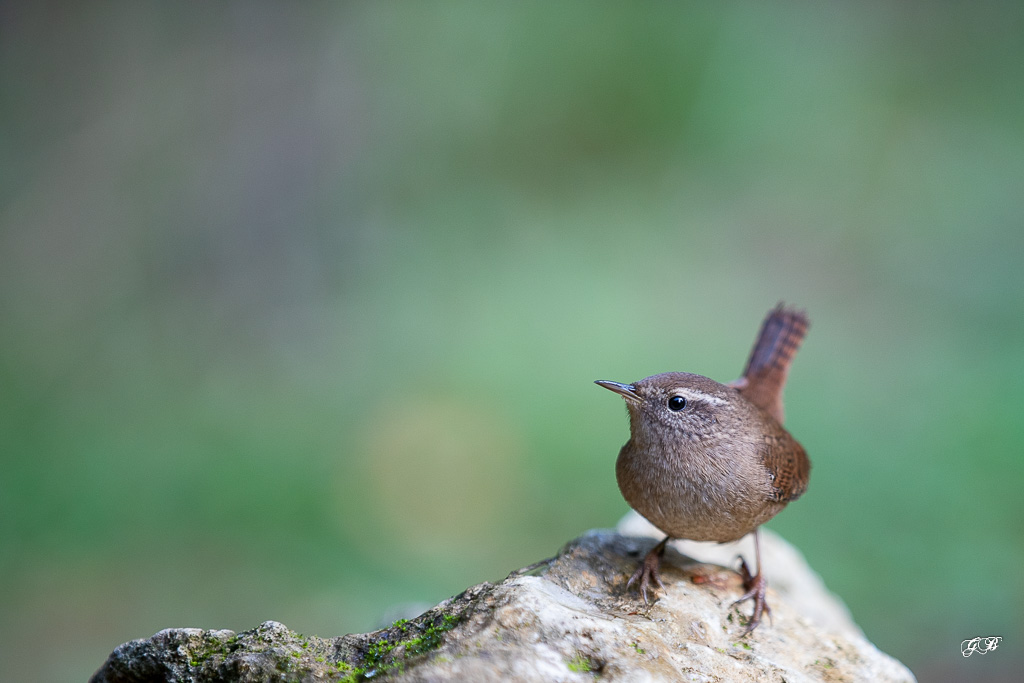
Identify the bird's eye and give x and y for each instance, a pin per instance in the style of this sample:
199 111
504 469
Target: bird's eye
676 403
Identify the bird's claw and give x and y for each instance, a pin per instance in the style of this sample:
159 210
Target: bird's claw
755 587
648 570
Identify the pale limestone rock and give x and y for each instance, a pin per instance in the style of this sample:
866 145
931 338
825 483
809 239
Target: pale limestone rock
572 620
787 571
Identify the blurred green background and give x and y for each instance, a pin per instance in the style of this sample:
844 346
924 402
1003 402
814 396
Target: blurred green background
300 305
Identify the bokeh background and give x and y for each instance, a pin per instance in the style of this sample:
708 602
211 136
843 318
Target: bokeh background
300 305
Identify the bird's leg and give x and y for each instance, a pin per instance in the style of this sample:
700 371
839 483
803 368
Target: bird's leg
648 569
755 587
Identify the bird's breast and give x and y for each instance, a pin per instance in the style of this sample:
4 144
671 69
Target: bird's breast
704 493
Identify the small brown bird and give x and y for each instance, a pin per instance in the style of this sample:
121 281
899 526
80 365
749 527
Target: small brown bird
712 462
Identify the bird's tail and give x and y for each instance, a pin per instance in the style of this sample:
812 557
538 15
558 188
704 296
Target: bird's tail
765 376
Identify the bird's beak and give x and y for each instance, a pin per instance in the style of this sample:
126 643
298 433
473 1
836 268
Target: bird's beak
627 391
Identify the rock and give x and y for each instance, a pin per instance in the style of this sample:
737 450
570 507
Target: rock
570 619
788 573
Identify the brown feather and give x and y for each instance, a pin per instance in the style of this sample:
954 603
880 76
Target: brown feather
787 464
765 376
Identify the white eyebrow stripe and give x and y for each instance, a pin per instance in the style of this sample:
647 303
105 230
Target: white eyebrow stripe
695 395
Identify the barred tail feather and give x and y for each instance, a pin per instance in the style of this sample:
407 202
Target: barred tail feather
765 376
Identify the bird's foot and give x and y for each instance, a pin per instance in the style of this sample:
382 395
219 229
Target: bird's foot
755 587
648 570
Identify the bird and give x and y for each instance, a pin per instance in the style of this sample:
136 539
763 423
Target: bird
708 461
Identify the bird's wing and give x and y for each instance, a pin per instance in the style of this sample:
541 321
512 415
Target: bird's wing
765 376
787 464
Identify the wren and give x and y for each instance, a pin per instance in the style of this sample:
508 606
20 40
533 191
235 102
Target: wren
711 462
